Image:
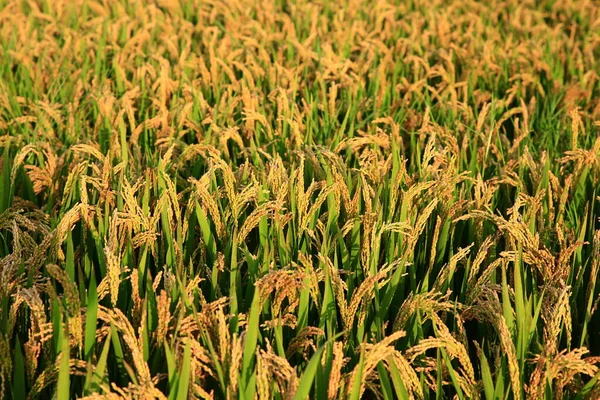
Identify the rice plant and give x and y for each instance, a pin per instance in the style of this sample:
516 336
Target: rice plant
227 199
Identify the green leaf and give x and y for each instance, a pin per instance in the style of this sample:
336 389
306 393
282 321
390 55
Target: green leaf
18 383
384 379
486 377
62 387
96 374
171 368
91 319
308 376
355 394
399 387
184 382
251 337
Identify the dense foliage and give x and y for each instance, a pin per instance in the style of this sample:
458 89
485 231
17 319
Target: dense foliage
292 199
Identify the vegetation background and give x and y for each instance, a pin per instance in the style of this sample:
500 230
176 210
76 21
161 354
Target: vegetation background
289 199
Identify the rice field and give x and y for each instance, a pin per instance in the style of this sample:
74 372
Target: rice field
277 199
